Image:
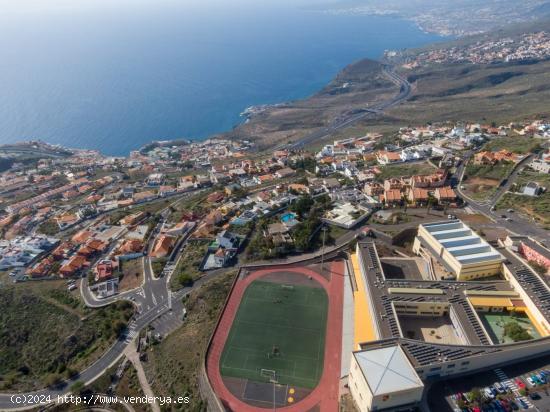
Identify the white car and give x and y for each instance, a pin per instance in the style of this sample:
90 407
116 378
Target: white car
530 381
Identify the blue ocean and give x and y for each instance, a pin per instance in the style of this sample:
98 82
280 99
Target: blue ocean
114 76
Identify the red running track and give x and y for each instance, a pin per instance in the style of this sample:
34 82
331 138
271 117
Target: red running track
327 392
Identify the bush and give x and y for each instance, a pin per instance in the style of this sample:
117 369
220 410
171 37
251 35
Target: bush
119 327
516 332
77 387
185 280
71 373
53 380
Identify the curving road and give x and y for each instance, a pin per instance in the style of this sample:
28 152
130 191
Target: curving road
404 93
153 301
518 224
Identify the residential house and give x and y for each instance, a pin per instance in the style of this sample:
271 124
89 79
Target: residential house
299 188
92 247
279 235
103 270
219 178
492 158
132 219
155 179
166 190
541 165
263 179
222 257
66 220
331 184
392 197
373 189
144 196
186 185
385 158
81 237
285 172
131 246
232 188
73 266
445 194
227 240
438 179
213 218
532 189
418 196
215 197
163 246
393 184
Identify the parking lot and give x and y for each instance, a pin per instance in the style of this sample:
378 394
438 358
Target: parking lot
525 386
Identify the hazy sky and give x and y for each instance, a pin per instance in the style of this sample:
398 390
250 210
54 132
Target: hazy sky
63 6
25 6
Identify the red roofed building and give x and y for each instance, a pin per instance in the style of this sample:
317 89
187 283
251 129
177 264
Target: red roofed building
215 197
104 270
535 253
131 246
62 250
418 196
163 246
82 236
445 194
73 265
392 197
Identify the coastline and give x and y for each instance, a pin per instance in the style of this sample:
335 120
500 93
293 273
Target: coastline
249 114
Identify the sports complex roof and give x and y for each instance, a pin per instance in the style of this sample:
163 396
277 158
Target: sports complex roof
387 370
461 242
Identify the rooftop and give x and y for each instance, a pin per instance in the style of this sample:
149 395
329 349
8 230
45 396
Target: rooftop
387 370
465 245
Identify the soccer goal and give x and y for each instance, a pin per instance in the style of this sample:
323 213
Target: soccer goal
269 374
288 287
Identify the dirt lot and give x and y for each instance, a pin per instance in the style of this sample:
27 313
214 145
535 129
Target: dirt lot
132 274
474 219
480 188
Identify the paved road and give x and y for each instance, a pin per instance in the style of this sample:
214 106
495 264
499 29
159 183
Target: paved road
155 304
518 224
339 124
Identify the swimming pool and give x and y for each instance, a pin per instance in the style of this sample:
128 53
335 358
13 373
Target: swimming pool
287 217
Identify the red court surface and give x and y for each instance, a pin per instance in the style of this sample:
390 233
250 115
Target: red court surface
325 396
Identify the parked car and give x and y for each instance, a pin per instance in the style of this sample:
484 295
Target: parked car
534 396
520 383
530 381
522 403
499 388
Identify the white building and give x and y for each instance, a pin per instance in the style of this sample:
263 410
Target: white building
540 166
384 378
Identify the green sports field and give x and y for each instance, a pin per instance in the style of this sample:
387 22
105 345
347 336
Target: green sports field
278 328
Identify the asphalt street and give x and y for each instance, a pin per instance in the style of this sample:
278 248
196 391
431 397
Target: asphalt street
513 222
349 120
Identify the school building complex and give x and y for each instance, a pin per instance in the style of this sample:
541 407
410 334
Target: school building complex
413 326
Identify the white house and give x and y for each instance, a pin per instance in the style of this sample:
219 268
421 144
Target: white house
540 165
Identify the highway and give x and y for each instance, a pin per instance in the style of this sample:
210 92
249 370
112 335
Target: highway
339 124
